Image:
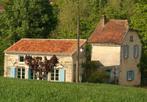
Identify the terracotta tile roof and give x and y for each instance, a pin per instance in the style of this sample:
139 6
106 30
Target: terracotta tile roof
111 32
45 46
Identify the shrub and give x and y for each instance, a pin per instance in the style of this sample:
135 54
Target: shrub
98 77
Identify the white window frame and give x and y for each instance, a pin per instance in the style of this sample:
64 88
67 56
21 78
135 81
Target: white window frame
126 51
21 73
53 74
136 51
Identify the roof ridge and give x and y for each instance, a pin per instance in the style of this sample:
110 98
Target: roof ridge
47 39
118 20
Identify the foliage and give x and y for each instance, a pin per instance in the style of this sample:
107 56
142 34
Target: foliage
42 91
98 77
1 71
91 73
41 66
67 25
27 18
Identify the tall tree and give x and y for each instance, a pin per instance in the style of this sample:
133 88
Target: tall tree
89 16
28 18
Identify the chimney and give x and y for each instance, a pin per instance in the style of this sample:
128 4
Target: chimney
103 20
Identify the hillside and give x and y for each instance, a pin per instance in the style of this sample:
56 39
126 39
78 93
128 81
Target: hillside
12 90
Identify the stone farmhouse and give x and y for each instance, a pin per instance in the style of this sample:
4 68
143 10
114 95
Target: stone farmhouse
64 49
118 49
114 46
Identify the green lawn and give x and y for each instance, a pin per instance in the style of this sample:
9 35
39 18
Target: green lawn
13 90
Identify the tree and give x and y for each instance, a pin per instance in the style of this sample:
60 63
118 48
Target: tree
67 15
28 18
40 66
139 23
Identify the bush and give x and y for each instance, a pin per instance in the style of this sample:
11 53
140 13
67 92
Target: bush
98 77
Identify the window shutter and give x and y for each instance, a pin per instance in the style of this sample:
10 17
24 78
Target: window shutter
12 72
61 75
136 51
29 74
125 51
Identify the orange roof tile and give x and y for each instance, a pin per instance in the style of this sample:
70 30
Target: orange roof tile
45 46
111 32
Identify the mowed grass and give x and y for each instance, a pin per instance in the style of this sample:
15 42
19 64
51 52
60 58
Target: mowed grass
14 90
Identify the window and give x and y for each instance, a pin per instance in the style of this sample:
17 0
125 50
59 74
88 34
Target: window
131 38
136 51
20 73
125 51
130 75
55 75
21 58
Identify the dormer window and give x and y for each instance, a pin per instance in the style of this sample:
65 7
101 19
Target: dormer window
131 38
136 51
125 51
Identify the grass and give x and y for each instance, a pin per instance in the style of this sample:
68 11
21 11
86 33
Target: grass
14 90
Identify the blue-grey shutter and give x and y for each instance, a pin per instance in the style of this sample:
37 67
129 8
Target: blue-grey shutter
61 75
12 72
133 75
29 74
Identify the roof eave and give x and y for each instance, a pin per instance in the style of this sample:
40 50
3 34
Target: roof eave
38 53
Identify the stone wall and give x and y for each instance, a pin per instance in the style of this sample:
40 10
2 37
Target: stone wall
130 63
12 60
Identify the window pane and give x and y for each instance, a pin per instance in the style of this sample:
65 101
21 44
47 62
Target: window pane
18 73
18 76
21 58
130 75
57 78
55 75
52 77
21 73
57 71
23 77
23 70
19 69
131 39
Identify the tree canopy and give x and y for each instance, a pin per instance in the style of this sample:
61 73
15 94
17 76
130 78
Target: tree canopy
27 18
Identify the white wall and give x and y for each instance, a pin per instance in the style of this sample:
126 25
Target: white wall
108 55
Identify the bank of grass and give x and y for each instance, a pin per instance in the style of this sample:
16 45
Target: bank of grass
14 90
